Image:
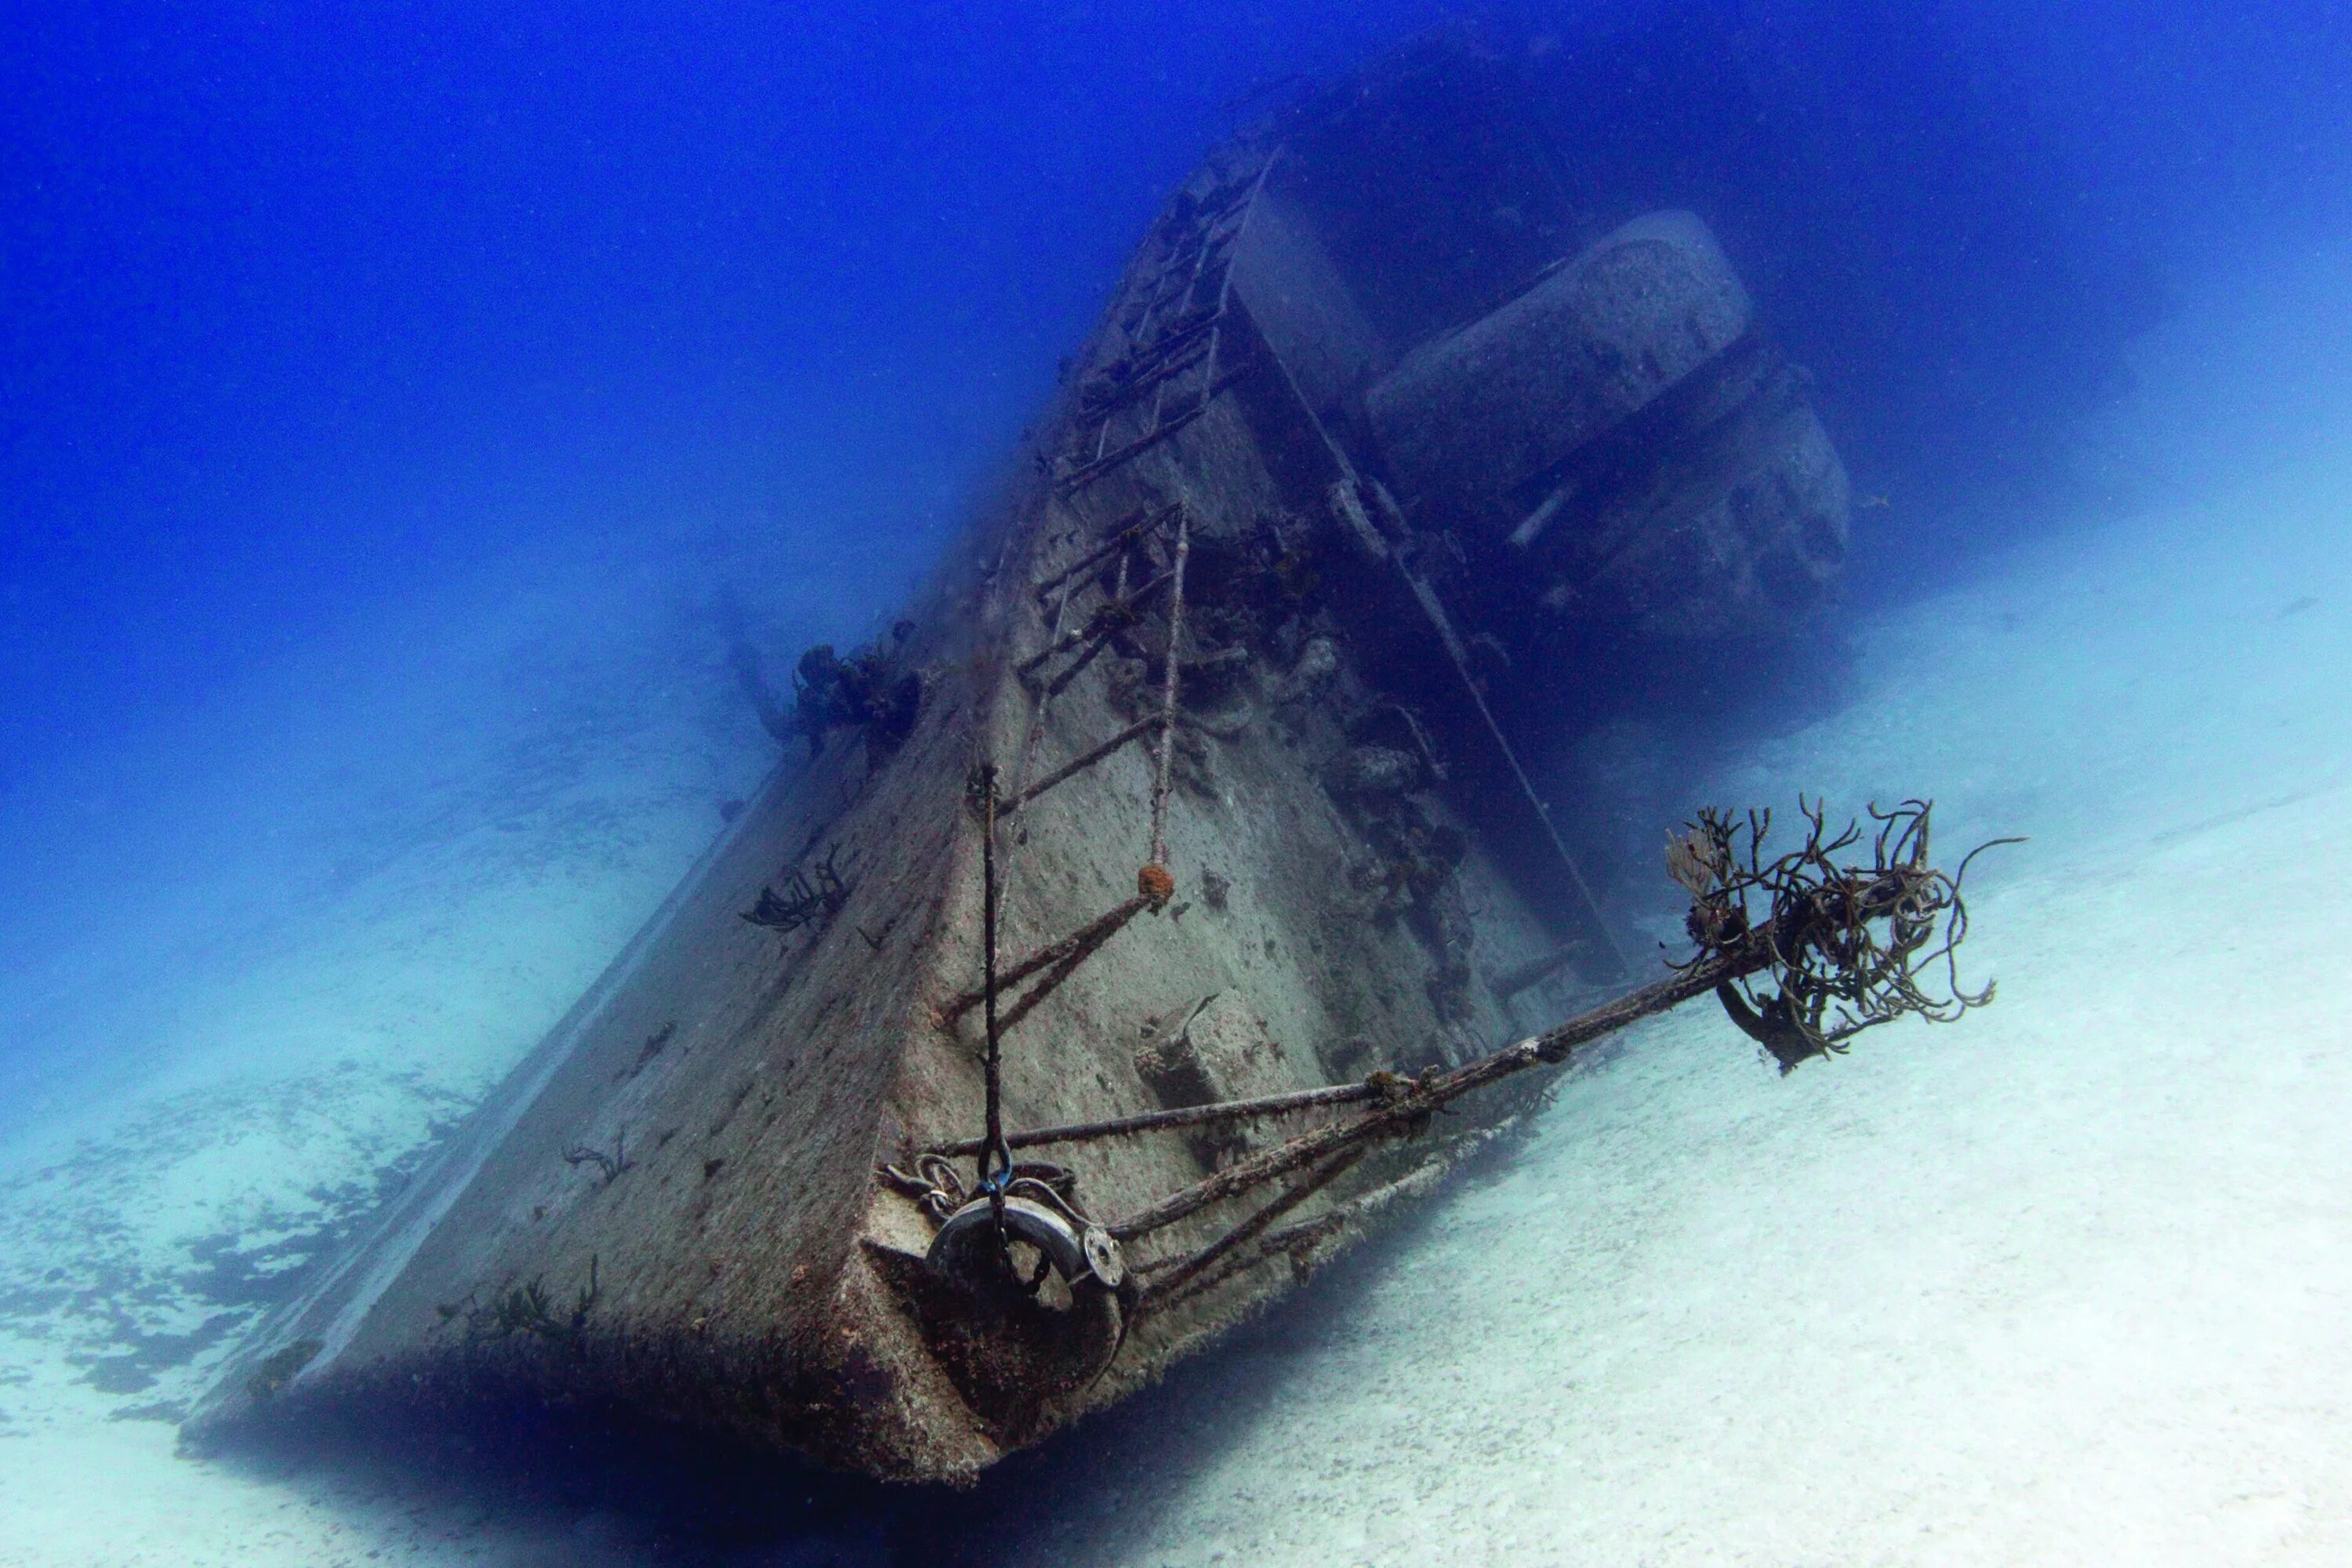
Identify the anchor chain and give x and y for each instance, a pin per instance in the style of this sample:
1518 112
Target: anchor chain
1033 1202
996 1156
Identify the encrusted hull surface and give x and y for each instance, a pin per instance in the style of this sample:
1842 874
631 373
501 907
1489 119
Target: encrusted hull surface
678 1205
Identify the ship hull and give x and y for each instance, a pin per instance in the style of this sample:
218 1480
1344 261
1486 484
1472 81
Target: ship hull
1257 831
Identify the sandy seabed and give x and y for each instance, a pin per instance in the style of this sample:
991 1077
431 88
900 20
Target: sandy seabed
2067 1282
481 826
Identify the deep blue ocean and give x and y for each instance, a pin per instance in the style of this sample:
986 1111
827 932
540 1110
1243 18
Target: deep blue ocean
402 407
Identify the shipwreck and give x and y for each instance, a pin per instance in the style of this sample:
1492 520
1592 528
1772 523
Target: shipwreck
1166 897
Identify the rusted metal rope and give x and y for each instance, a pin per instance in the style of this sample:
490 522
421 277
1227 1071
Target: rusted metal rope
1174 1274
996 1157
1078 949
1380 1086
1211 240
1300 1239
1810 924
1433 1091
1164 758
1078 943
1080 478
1123 382
1112 615
1130 530
1082 762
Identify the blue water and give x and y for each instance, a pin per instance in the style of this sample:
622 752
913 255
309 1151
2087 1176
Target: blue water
391 403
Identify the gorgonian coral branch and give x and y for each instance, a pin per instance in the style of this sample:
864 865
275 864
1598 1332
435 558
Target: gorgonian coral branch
1845 947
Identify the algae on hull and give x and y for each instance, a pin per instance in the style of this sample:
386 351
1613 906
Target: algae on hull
1229 649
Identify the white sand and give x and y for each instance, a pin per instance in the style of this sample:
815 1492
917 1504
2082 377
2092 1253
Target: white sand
2069 1282
454 841
2068 1285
